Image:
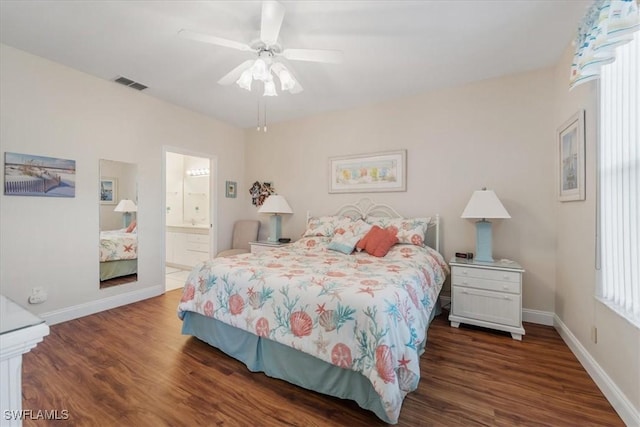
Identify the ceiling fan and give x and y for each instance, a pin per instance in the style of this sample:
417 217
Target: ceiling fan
268 50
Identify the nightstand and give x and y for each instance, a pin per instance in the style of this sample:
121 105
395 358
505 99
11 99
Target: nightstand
265 245
487 294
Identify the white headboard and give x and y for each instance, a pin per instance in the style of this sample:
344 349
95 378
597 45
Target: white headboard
365 207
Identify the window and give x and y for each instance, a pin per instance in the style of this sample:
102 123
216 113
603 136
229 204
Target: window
619 176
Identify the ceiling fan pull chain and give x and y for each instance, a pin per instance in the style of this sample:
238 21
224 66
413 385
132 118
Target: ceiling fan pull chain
265 116
258 121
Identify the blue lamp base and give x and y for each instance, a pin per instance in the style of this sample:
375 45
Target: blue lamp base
276 224
483 241
126 219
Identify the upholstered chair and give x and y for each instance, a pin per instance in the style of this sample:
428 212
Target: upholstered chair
244 231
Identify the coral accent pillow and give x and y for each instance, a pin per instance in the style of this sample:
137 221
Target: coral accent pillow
378 241
131 227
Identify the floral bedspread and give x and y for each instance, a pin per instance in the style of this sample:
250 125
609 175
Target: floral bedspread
118 244
355 311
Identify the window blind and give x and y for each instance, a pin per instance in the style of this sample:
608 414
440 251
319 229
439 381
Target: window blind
619 164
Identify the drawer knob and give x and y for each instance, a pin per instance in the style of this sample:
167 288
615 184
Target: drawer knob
464 272
505 276
506 298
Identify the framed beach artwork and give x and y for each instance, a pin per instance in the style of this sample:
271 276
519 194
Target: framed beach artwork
571 162
366 173
108 191
31 175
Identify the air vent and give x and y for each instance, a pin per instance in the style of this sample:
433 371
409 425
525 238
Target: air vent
128 82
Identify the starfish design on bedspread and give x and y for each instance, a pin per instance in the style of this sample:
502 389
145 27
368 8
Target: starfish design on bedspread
128 248
404 362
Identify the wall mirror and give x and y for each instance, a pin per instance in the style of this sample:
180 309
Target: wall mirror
118 200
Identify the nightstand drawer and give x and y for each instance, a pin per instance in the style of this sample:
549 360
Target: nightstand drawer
488 306
483 273
486 284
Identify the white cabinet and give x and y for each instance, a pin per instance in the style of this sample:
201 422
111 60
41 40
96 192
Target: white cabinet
488 295
20 331
186 248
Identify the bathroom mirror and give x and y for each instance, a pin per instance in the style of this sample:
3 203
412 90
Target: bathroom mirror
118 198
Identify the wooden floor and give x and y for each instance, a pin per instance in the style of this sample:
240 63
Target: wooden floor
130 366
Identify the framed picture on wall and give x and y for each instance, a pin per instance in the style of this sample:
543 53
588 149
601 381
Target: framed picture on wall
33 175
365 173
108 191
571 163
231 189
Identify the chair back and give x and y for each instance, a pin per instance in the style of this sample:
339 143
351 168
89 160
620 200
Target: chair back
245 231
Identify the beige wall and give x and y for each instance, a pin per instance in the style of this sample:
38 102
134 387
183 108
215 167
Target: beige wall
497 133
51 110
617 350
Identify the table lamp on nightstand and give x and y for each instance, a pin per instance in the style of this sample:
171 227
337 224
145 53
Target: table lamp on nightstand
127 207
483 205
276 205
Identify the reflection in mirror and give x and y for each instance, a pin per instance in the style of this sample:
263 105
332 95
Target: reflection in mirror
118 223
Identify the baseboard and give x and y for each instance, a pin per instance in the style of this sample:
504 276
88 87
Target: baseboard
629 414
92 307
537 316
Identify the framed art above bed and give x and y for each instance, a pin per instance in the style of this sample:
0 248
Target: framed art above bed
366 173
344 323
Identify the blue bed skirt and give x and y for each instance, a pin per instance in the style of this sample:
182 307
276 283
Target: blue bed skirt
279 361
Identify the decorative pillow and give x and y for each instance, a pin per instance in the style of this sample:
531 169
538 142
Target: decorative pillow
322 226
378 241
347 234
132 227
409 230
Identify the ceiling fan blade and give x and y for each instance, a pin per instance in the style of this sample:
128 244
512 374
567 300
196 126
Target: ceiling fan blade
233 75
314 55
272 16
206 38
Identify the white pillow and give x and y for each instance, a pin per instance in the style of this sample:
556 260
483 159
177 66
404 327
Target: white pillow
347 234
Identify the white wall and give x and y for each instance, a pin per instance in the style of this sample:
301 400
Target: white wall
496 133
617 351
48 109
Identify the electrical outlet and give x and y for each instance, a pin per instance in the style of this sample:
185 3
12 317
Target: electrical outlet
594 334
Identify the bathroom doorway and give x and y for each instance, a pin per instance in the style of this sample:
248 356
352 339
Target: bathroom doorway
189 213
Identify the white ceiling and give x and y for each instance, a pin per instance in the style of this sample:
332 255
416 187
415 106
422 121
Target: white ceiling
392 48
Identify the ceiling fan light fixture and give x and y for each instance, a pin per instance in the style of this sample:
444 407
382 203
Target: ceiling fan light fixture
286 81
245 80
260 70
270 88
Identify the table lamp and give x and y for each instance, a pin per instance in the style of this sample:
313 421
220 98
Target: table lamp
276 205
484 204
127 206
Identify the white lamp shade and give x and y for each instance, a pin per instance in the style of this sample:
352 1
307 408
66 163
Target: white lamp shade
485 204
126 205
275 204
259 70
245 79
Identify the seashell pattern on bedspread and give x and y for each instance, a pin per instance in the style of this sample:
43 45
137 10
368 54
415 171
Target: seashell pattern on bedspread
355 311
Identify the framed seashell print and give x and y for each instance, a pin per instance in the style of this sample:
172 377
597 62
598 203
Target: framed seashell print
367 173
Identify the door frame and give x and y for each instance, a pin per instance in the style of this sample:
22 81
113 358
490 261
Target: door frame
213 199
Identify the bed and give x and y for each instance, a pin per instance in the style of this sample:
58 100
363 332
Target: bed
118 253
340 322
